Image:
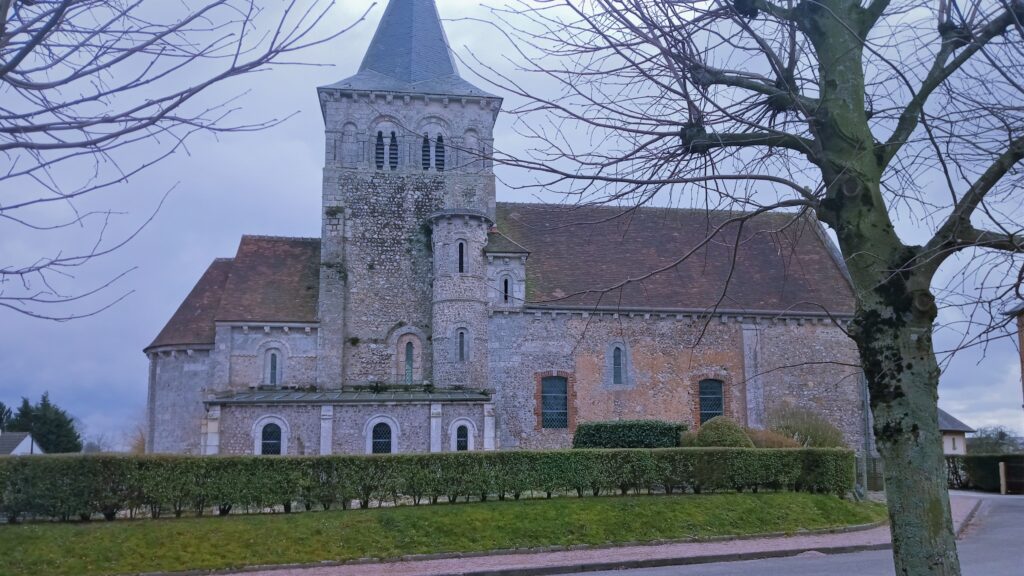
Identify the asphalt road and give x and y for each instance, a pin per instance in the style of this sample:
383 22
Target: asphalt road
993 545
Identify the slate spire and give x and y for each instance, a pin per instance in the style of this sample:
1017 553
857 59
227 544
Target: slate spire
409 53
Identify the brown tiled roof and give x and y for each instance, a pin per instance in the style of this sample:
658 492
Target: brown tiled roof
270 279
193 322
273 279
578 253
498 243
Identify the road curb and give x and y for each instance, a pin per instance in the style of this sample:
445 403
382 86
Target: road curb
663 562
967 519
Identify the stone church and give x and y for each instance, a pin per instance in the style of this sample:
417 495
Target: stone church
429 317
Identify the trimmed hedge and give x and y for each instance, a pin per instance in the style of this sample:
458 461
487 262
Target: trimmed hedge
628 434
979 471
78 486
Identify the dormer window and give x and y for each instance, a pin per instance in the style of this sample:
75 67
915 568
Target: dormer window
379 151
426 152
393 152
439 154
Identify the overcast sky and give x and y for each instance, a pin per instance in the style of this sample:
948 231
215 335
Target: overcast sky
269 183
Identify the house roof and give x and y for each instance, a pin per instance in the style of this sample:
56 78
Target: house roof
947 423
9 441
270 279
409 53
348 396
576 258
580 256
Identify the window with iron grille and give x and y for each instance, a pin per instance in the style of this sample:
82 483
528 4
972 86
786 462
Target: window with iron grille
271 440
381 438
712 401
462 438
554 402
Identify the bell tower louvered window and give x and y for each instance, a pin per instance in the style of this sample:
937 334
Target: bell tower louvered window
378 154
393 152
426 152
439 154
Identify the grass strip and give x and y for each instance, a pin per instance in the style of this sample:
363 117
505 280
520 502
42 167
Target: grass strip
126 547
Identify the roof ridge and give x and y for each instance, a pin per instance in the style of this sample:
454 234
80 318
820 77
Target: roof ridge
272 237
642 207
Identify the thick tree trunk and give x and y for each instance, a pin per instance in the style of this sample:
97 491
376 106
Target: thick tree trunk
899 362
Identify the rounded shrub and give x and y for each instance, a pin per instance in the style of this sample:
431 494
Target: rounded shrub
688 439
770 439
722 432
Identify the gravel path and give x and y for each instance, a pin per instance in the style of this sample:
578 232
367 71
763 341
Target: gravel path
962 506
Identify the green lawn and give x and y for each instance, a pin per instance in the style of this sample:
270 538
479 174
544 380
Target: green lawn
230 542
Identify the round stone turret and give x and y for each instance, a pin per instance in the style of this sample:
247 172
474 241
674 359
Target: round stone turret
459 323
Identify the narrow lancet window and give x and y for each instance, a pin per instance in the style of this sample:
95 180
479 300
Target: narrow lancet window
617 366
505 290
273 368
439 154
379 152
462 257
462 346
393 152
409 349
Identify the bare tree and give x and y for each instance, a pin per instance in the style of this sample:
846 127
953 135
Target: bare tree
898 124
92 92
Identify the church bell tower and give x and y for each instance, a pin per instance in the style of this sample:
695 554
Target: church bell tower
408 198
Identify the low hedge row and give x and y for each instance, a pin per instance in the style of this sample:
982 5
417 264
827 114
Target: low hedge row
73 486
978 471
628 434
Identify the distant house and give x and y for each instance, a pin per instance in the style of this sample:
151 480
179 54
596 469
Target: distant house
18 444
954 433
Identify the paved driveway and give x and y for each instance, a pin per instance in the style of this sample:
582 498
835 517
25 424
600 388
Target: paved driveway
993 545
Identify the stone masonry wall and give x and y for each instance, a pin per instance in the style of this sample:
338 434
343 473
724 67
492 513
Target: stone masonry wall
178 383
248 350
664 364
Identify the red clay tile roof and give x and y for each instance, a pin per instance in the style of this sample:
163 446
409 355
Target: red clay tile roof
273 279
270 279
576 253
193 322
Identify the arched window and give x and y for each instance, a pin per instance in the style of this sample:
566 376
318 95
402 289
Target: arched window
273 369
712 400
462 346
379 151
462 257
270 440
409 351
506 290
381 438
461 435
426 152
617 365
393 152
439 154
